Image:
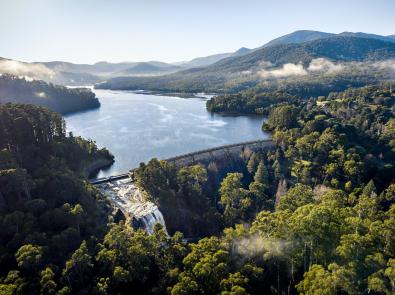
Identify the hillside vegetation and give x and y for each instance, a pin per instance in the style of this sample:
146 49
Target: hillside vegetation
46 208
283 61
56 98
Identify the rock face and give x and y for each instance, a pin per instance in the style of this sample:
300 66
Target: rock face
124 195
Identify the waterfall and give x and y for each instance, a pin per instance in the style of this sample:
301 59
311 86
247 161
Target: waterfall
124 195
148 221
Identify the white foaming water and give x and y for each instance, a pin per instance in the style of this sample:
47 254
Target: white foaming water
151 219
124 195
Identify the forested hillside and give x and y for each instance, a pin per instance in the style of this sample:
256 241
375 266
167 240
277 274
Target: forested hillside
317 58
46 208
56 98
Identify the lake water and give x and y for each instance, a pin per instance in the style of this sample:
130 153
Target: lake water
137 127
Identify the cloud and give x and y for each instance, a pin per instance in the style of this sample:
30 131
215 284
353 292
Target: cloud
32 71
265 64
290 69
285 71
385 65
255 245
324 65
41 94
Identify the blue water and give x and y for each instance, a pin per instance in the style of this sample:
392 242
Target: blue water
136 127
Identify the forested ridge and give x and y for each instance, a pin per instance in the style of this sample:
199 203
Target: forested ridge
56 98
236 73
316 215
46 209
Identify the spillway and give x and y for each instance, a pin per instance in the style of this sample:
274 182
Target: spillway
126 196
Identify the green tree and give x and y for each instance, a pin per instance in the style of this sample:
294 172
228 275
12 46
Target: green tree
234 198
253 163
78 269
296 197
283 117
29 257
47 282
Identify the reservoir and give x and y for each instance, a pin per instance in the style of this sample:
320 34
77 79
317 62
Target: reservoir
136 127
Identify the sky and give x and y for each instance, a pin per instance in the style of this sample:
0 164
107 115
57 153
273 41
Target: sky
88 31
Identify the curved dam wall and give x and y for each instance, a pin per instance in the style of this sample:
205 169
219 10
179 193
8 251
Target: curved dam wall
221 152
204 156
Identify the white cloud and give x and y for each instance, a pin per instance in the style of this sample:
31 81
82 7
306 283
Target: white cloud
324 65
258 246
285 71
17 68
290 69
41 94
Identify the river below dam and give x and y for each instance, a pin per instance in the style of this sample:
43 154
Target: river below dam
136 127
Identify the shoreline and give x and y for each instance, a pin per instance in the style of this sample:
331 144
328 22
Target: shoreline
202 95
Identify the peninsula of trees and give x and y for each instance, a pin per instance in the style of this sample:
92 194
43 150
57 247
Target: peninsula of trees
54 97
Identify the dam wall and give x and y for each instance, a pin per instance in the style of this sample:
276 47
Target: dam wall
221 152
204 157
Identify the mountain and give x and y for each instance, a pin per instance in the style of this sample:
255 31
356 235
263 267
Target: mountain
66 73
147 68
61 66
298 37
242 51
244 71
307 35
211 59
369 36
336 48
39 71
112 69
204 61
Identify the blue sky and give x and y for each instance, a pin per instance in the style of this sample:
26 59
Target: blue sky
88 31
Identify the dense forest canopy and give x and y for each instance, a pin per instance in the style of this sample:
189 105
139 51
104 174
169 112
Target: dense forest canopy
46 209
56 98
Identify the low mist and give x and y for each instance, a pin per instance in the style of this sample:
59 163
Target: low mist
27 70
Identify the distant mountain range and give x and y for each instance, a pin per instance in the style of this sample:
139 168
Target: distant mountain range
211 59
300 46
280 60
298 37
306 35
110 69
